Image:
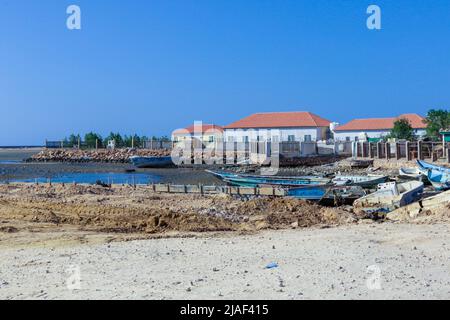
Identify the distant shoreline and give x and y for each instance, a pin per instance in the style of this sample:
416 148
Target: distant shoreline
21 147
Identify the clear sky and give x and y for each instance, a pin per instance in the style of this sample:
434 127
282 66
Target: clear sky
151 66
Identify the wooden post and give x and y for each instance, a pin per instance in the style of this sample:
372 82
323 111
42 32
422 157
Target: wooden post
448 155
379 148
79 143
364 150
96 144
387 150
397 151
132 142
408 151
62 144
371 153
419 150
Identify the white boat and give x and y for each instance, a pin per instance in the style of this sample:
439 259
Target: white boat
368 181
412 173
389 196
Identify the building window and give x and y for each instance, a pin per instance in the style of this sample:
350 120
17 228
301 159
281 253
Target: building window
308 138
347 139
230 139
291 138
211 138
245 139
275 138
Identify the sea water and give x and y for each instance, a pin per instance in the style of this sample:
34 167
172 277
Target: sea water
92 178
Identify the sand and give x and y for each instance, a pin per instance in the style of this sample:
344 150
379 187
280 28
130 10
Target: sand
412 262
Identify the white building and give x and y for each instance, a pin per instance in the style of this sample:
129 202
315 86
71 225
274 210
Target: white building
203 132
375 128
278 126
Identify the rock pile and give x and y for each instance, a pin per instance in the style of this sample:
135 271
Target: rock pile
109 156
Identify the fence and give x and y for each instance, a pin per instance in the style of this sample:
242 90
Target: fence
408 150
150 144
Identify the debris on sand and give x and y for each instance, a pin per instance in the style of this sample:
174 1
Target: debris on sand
124 209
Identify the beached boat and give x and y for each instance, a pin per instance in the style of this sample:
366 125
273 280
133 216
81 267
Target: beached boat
427 166
439 179
151 162
247 180
412 173
361 163
264 181
362 181
389 196
328 195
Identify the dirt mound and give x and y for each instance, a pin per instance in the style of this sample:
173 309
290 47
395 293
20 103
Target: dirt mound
138 210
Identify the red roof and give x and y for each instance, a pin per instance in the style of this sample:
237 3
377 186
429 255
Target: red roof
415 120
280 120
199 129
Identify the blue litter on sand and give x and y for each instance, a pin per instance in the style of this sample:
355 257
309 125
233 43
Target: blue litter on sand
272 265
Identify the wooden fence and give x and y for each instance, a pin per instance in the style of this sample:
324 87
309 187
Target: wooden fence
408 150
201 189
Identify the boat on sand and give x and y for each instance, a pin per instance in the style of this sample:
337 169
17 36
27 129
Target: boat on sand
389 196
362 181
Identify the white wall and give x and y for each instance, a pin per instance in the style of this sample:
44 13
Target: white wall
283 134
342 135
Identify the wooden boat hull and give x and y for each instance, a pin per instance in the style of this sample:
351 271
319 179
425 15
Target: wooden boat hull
328 195
361 163
389 196
258 181
152 162
439 179
429 166
412 173
362 181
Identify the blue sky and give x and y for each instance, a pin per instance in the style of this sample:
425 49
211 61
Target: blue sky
148 67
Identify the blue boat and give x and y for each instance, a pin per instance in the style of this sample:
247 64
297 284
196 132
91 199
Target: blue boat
439 179
151 162
428 166
259 181
333 195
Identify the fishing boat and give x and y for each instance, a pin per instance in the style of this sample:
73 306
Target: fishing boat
151 162
361 163
389 196
427 166
439 179
328 195
412 173
264 181
246 180
368 181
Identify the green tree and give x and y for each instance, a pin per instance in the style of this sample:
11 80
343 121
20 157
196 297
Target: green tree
91 139
73 140
437 120
402 130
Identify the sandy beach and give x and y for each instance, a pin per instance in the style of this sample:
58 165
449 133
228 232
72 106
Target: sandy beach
412 262
126 243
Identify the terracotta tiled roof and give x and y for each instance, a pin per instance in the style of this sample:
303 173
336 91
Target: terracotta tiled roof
200 129
280 120
415 120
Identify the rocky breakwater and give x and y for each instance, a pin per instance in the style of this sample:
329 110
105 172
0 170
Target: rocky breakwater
107 156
